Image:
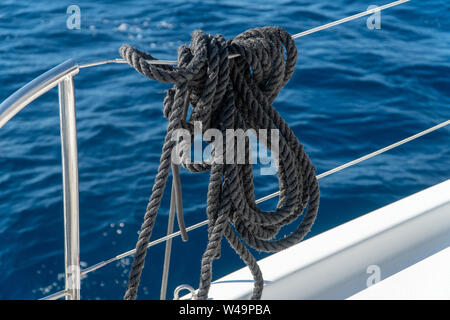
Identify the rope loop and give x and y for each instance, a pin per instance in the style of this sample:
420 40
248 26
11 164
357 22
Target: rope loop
231 95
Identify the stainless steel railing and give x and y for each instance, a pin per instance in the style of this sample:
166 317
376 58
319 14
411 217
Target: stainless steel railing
61 76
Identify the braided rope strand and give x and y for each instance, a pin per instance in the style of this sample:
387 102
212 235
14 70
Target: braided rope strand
232 94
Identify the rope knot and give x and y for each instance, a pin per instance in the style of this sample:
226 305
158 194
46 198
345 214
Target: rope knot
232 94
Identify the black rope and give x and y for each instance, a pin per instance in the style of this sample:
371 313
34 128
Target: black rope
232 94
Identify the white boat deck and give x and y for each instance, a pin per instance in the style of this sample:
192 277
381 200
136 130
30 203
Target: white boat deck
400 251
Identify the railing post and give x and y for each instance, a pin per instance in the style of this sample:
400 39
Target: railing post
69 152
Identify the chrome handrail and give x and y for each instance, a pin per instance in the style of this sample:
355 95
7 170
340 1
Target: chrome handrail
61 75
35 88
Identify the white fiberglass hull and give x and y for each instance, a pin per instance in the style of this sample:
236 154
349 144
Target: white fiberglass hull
400 251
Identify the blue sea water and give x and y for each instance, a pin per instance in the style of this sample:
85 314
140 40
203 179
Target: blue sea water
354 90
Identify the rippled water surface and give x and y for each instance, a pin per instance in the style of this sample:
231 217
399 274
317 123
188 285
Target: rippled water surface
354 90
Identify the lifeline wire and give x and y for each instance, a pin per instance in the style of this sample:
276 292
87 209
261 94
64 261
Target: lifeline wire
295 36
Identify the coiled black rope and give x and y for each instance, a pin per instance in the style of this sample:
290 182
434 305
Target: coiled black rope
232 94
